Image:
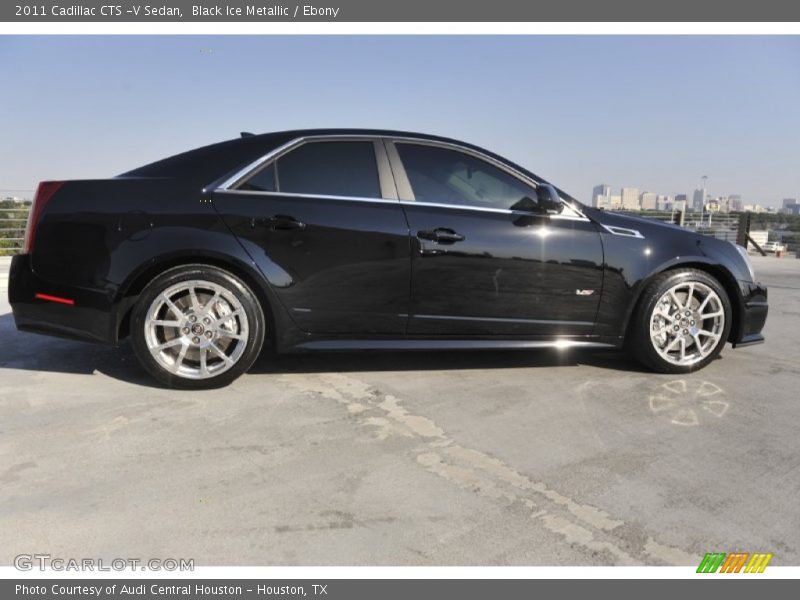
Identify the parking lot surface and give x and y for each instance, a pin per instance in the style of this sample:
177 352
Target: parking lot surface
429 458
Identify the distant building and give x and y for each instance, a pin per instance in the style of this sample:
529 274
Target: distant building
649 201
664 202
630 199
721 204
735 203
698 200
789 206
601 196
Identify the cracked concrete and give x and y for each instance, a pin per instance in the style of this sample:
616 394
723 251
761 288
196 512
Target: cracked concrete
415 459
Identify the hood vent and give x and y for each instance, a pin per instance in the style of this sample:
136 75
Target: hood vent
624 231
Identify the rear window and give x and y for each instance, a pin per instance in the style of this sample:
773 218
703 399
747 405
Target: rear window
263 181
323 169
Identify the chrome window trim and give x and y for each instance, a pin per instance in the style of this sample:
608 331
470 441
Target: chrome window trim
299 195
255 167
503 211
406 193
464 150
400 187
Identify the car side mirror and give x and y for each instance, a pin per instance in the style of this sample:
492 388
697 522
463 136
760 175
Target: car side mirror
549 201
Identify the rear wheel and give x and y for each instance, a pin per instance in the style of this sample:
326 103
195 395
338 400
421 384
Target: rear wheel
197 327
682 323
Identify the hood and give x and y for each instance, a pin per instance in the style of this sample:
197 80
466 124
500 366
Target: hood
633 222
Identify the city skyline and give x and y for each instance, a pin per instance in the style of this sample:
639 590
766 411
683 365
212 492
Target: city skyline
690 196
634 199
652 112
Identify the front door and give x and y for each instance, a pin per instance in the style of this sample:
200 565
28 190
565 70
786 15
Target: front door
487 258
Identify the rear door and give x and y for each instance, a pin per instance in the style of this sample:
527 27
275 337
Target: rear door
489 254
322 220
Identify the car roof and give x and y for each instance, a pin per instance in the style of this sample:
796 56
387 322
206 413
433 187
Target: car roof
227 156
389 133
359 131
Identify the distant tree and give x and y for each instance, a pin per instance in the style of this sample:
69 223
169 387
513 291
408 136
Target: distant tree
12 225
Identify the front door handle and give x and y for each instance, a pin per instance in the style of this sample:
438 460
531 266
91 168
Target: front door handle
441 235
282 222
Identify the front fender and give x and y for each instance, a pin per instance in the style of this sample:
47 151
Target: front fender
632 262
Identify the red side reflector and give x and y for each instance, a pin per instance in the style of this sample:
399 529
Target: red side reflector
50 298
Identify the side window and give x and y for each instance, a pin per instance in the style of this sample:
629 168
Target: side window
324 168
263 181
447 176
330 168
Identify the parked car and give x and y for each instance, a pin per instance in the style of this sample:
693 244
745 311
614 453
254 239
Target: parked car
773 247
365 240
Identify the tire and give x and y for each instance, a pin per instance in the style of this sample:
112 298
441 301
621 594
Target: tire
197 327
682 322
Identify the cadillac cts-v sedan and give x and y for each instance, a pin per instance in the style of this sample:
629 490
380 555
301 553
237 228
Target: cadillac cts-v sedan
365 240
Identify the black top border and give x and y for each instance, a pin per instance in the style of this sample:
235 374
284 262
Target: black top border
461 11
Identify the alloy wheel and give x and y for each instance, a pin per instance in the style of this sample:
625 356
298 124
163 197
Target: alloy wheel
196 329
687 323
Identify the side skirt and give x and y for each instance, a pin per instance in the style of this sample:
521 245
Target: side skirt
444 344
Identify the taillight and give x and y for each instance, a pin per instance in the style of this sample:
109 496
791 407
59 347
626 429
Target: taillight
44 193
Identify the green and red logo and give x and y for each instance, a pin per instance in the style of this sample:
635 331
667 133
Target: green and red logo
719 562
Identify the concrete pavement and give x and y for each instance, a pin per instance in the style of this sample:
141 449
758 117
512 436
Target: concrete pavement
431 458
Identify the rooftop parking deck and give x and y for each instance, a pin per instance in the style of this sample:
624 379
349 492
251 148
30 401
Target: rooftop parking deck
428 458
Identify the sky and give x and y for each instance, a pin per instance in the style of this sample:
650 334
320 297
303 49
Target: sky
653 112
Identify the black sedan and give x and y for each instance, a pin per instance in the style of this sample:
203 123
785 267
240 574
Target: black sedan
365 240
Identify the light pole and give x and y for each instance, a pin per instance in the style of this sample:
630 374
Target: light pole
703 204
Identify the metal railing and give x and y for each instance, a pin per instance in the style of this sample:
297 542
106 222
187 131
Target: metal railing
723 226
12 229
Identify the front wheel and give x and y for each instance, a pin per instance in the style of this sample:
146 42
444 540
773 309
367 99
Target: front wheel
197 327
682 323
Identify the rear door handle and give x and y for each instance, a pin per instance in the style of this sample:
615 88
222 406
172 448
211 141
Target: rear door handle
281 222
441 235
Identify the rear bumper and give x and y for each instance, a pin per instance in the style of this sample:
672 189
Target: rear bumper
753 314
88 318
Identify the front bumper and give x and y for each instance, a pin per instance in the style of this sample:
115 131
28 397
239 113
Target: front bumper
753 314
89 318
